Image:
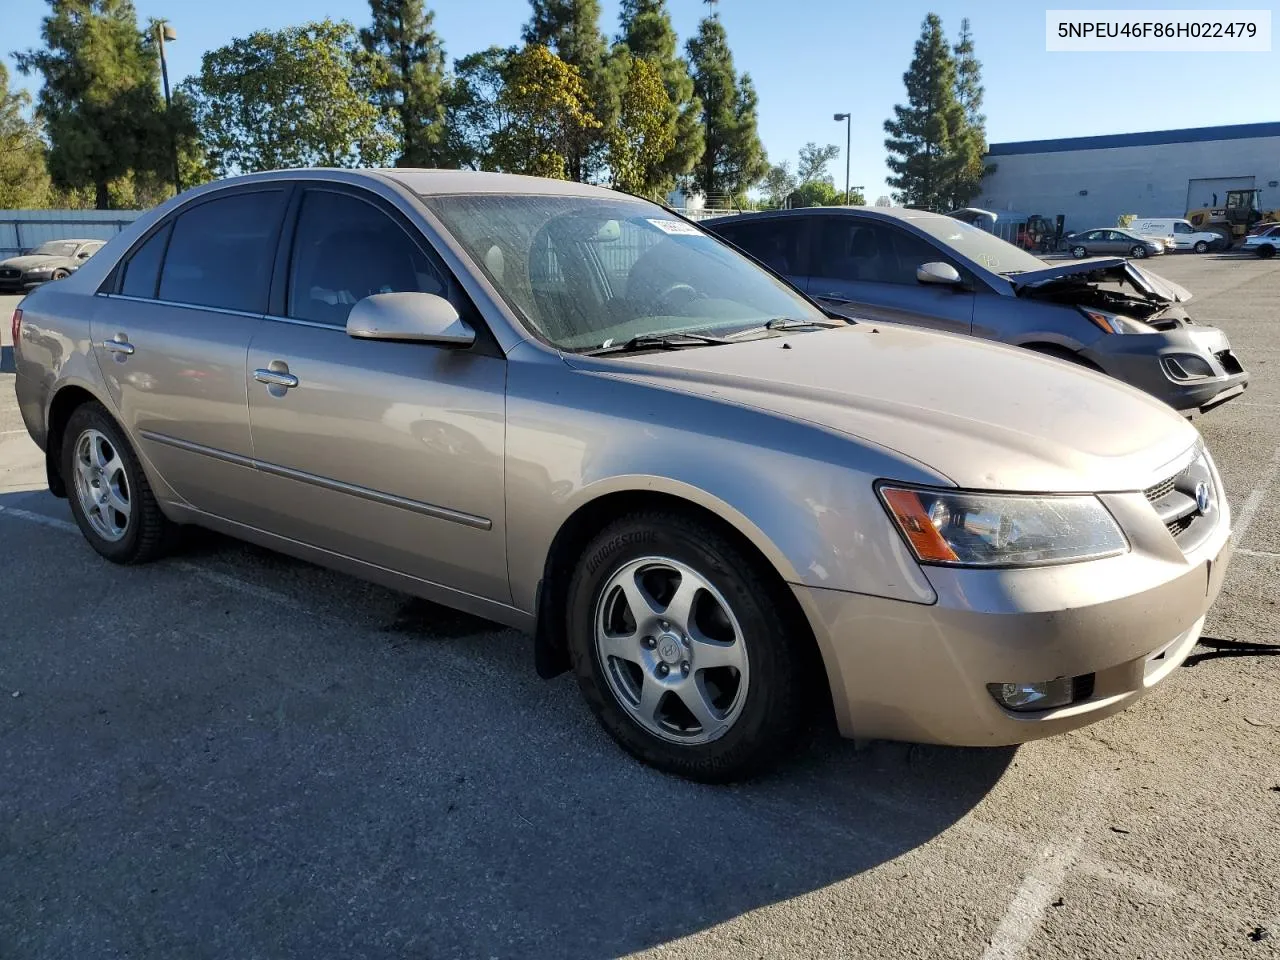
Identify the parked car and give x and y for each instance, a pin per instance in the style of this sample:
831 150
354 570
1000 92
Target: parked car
49 261
571 411
1264 242
1177 234
907 266
1112 240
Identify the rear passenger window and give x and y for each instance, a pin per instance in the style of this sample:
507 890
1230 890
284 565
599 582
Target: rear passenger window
221 252
344 250
774 242
142 270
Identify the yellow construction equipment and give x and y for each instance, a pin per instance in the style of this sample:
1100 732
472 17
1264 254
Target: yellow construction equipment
1236 218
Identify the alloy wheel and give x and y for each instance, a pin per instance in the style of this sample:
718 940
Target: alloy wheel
102 485
671 650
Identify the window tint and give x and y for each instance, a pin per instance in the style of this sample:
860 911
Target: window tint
851 249
344 250
221 252
142 270
774 242
910 252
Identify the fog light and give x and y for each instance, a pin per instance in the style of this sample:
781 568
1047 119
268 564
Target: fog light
1186 366
1034 696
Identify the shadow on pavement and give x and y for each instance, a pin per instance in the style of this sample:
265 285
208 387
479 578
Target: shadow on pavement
191 770
6 360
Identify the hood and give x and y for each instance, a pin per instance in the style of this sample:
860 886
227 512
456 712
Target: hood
984 415
31 261
1100 270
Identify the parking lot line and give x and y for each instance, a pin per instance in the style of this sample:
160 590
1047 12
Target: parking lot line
32 517
1042 882
1256 496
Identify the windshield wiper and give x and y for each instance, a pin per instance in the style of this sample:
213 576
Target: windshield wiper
653 341
794 323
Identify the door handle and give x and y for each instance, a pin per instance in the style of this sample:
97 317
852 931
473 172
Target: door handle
118 346
276 378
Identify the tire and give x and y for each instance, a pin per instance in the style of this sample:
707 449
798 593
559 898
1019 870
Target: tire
759 707
1201 247
100 467
61 274
1266 252
1079 252
1138 251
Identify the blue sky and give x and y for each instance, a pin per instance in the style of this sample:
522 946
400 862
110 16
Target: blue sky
813 58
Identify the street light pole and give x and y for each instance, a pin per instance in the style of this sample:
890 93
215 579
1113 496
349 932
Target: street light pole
164 32
848 141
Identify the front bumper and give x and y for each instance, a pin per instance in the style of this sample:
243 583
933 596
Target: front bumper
917 672
1143 360
22 284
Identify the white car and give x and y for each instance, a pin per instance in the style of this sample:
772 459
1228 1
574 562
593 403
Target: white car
1177 234
1265 242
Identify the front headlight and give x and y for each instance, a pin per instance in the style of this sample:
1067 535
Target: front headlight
1115 322
957 528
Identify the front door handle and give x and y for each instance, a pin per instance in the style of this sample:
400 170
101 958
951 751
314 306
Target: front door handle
276 378
118 345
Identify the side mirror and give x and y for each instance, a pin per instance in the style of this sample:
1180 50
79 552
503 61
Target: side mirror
409 318
943 273
84 255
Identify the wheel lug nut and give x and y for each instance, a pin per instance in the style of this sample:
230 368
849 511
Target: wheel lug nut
684 667
650 643
663 669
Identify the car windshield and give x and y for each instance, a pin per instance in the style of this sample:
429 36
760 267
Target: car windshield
985 249
54 248
587 272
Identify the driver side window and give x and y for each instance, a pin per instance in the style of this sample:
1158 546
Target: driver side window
344 250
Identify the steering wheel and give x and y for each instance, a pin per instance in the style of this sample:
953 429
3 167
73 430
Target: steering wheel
687 292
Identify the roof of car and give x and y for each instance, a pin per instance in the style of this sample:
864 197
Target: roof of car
426 182
881 213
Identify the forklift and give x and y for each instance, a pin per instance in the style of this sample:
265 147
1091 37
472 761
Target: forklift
1236 218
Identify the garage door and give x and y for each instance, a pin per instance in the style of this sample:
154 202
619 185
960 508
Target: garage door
1201 193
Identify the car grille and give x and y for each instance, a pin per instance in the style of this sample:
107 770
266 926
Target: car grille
1174 500
1229 362
1162 489
10 274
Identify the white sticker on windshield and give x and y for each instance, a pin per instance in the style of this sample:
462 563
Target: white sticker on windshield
677 228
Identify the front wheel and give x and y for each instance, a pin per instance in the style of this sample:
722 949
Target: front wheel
683 650
61 274
111 499
1079 252
1201 247
1137 251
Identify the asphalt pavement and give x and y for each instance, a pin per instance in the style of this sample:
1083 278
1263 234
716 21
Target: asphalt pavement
233 754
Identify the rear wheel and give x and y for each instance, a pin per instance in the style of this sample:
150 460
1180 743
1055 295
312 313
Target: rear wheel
60 274
1266 252
683 649
1137 251
111 499
1079 252
1201 247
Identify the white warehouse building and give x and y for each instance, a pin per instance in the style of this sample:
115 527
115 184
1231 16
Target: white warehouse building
1162 173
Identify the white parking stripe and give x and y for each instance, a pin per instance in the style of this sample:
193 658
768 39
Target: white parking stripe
1257 553
1041 884
40 518
1256 496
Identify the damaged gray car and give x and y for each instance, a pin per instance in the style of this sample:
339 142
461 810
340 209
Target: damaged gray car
904 266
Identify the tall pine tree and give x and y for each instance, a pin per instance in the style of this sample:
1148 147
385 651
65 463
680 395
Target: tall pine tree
733 159
647 33
972 146
925 136
100 102
412 94
571 30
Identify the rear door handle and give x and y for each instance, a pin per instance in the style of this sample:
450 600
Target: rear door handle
276 378
118 345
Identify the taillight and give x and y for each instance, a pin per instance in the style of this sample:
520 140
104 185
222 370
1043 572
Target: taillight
17 325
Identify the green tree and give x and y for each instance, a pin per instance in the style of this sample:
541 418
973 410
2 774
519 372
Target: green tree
733 159
571 30
548 115
24 182
642 138
99 103
779 184
925 135
474 108
412 95
814 161
297 97
822 193
972 143
647 32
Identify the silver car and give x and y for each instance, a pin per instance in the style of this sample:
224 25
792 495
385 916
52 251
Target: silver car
908 266
1116 241
570 411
